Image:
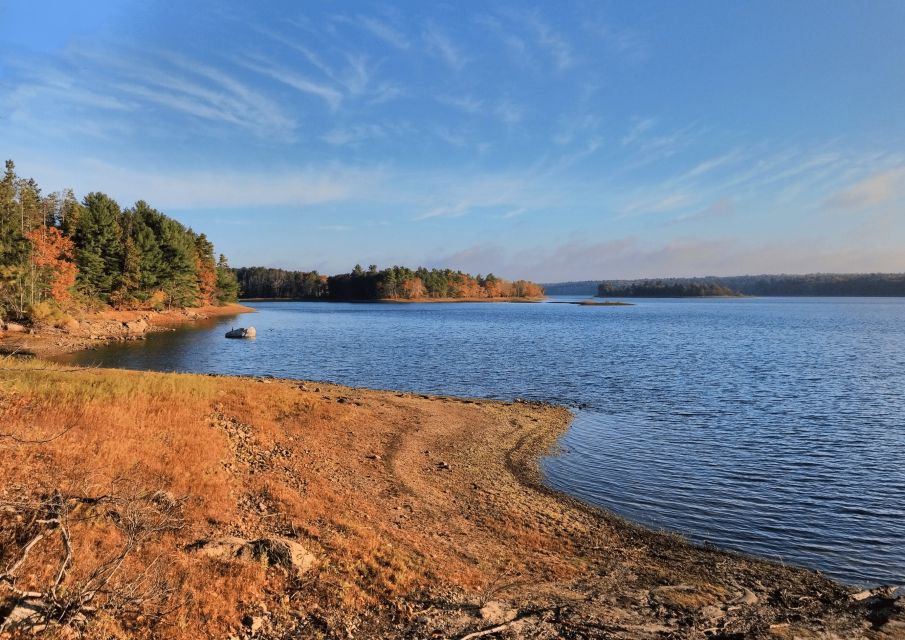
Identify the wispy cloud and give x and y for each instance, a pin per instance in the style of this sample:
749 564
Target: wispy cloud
493 195
551 41
449 211
441 45
509 113
871 191
384 31
658 204
514 213
466 103
515 44
721 208
632 257
629 44
296 80
183 85
450 137
213 188
354 134
639 127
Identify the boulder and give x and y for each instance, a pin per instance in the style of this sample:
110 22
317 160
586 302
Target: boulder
288 554
281 552
242 333
136 327
221 548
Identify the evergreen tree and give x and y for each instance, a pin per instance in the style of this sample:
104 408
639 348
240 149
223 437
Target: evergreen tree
151 267
179 282
227 284
99 242
14 247
70 212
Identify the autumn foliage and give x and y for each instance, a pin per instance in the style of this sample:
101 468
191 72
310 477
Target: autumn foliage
53 257
393 283
58 254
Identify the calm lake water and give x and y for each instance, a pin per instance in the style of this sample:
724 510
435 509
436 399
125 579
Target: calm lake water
771 426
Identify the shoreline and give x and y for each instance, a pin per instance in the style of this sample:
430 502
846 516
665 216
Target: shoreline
429 512
396 300
94 329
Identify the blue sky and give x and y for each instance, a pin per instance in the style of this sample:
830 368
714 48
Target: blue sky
556 140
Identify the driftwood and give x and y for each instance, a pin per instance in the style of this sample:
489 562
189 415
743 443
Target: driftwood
139 516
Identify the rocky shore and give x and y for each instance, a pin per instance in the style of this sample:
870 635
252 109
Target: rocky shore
312 510
90 330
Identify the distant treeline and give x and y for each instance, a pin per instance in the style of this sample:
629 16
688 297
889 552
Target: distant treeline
578 288
818 284
663 289
59 254
394 283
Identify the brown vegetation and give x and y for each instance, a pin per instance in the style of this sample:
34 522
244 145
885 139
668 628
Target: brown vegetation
421 517
54 335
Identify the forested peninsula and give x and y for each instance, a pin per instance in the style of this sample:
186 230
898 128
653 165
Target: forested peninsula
60 256
394 283
78 273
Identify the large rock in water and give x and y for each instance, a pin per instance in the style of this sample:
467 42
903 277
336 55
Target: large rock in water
136 327
242 333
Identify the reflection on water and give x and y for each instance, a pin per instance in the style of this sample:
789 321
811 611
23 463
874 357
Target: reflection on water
773 426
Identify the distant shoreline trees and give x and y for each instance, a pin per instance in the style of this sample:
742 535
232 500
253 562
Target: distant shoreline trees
393 283
662 289
818 284
58 254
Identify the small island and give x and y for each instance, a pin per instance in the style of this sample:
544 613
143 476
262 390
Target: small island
393 284
595 303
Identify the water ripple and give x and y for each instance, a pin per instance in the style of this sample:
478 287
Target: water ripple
770 426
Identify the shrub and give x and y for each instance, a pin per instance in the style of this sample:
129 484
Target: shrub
47 313
157 301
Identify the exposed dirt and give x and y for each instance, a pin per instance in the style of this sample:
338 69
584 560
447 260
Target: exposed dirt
424 515
90 330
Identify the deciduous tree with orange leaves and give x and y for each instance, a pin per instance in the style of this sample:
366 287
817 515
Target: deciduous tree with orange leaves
53 265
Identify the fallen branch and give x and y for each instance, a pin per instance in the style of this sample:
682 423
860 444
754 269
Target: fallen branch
139 515
491 630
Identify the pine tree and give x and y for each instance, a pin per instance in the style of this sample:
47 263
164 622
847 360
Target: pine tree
227 284
14 247
179 282
145 220
99 241
70 212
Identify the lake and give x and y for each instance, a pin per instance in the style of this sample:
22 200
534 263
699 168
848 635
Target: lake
773 426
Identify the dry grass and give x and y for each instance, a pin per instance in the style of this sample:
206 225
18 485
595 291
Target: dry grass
292 476
409 504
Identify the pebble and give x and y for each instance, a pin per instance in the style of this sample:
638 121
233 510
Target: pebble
254 623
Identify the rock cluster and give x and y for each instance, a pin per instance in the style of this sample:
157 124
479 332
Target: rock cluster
278 552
